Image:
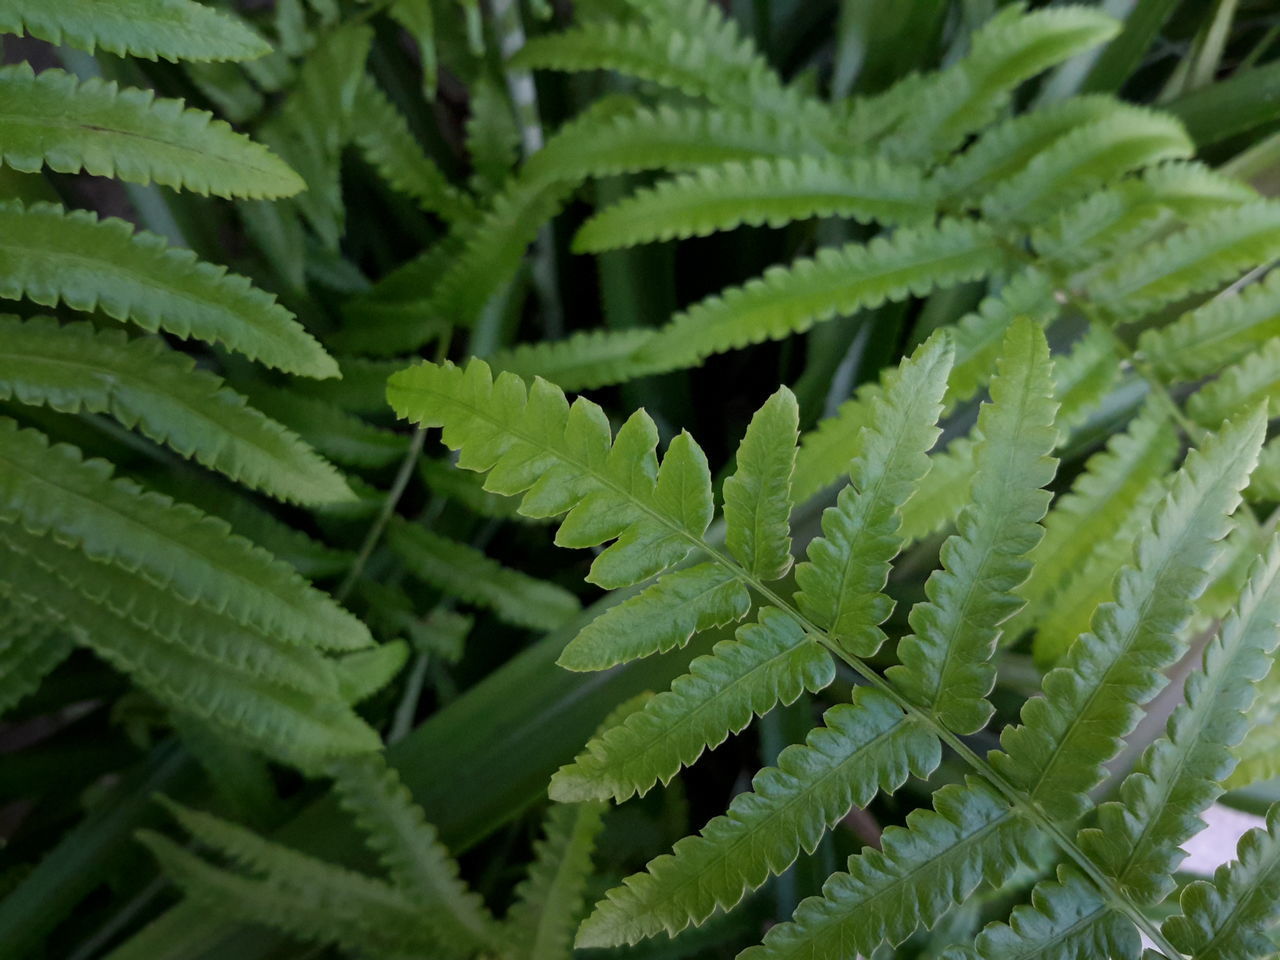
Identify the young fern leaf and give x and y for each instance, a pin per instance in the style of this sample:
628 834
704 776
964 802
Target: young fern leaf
1094 154
919 872
464 572
1211 252
862 747
548 905
841 584
1138 836
945 663
770 662
407 846
384 138
53 490
1244 384
289 891
53 120
1228 918
32 645
1093 699
757 497
791 299
1224 330
762 191
1011 47
144 384
169 29
54 256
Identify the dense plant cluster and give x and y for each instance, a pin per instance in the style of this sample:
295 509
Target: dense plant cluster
938 641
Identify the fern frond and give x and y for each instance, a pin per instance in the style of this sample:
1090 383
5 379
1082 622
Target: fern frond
945 662
1087 157
471 576
410 851
1134 211
1204 255
1258 756
493 136
447 481
757 497
762 191
549 900
584 360
363 673
1254 380
304 729
386 142
862 747
563 459
32 645
56 256
771 662
362 388
287 890
841 585
791 299
1109 498
1010 48
1228 918
52 119
168 29
631 139
919 872
1222 331
1006 148
341 436
163 394
979 334
660 618
393 317
53 490
1138 835
1093 699
1066 920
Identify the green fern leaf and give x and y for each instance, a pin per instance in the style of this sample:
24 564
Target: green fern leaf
52 489
292 720
393 317
1222 331
1137 837
1116 490
841 585
168 29
862 747
162 393
1066 920
1265 482
290 891
54 256
1094 698
1228 918
791 299
1006 148
1254 380
32 645
919 872
1135 211
757 497
384 138
466 488
493 136
51 119
1209 253
583 361
1258 755
1089 156
563 460
549 900
471 576
945 663
339 435
771 661
630 139
408 847
1010 48
363 673
762 191
660 618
